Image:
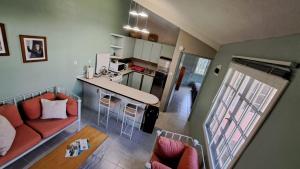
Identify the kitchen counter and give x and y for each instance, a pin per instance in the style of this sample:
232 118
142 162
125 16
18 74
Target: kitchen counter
123 90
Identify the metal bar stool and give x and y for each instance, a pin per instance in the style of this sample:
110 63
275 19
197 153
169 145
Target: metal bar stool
131 113
108 101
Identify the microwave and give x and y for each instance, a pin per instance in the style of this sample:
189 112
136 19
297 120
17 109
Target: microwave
116 66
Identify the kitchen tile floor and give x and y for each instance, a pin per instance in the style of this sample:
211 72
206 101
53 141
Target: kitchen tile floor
121 152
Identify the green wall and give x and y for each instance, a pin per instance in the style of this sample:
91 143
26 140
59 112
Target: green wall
277 144
75 30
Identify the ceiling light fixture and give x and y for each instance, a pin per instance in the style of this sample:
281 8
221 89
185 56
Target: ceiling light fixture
143 14
146 31
127 27
137 13
134 13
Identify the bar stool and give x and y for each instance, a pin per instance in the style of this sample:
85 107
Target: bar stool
131 112
108 101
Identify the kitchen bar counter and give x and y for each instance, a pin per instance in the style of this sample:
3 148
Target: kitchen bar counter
123 90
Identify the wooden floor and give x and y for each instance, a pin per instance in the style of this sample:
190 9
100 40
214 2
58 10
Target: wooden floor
56 159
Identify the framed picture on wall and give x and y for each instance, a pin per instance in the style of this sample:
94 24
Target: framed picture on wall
3 41
34 48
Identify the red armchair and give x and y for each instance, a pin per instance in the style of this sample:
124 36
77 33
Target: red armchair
173 154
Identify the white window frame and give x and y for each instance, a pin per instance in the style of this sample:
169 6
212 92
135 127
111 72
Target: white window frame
269 79
204 70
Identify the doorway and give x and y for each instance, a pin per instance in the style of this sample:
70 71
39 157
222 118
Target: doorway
189 78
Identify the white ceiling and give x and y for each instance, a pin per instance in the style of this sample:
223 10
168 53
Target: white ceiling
218 22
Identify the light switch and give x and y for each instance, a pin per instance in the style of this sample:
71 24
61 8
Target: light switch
75 62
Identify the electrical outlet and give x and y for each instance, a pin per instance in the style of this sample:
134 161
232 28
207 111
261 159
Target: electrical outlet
75 62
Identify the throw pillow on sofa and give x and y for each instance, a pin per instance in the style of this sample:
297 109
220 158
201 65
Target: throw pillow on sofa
167 148
54 109
71 104
32 107
7 135
11 113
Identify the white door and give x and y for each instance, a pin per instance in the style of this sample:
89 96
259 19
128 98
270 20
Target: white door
244 100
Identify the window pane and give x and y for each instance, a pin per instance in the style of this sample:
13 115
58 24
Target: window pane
241 110
236 79
230 129
244 84
221 112
247 118
239 144
234 139
268 100
224 156
254 87
252 124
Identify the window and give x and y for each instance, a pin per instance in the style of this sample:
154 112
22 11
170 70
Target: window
202 66
242 103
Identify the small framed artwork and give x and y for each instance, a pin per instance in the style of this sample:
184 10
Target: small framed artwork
3 41
34 48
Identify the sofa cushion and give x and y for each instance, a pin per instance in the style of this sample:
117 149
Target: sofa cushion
71 104
158 165
189 159
54 109
7 135
49 126
32 107
25 138
11 113
167 148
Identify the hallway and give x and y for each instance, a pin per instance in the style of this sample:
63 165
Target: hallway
175 119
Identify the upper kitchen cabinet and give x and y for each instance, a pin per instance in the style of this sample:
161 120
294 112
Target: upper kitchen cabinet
129 45
121 46
146 54
138 48
155 52
151 51
167 51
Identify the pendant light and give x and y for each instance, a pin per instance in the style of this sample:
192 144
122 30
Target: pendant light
136 13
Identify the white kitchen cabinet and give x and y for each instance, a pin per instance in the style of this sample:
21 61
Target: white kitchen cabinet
138 48
136 80
147 83
124 79
129 76
155 52
167 51
147 50
128 47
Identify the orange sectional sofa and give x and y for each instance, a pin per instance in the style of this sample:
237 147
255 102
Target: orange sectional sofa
31 131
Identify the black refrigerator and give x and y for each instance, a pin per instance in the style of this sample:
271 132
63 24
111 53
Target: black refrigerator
161 75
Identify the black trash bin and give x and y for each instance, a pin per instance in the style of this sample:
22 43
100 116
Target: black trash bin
149 119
